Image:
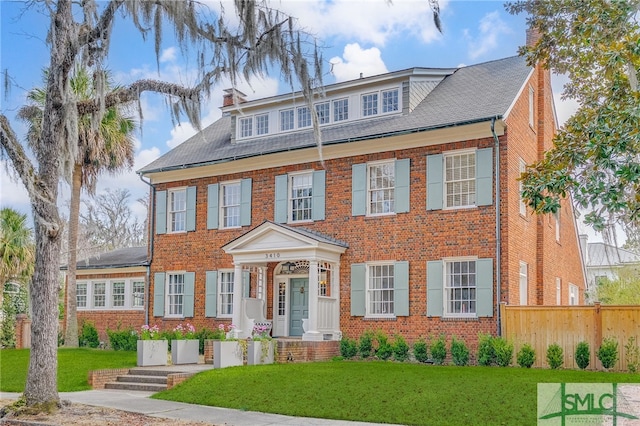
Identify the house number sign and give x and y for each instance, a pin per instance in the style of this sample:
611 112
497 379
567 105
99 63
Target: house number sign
274 255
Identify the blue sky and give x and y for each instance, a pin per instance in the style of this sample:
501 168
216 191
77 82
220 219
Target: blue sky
366 36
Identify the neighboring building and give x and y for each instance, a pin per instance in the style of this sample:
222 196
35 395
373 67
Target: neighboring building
603 261
111 289
391 224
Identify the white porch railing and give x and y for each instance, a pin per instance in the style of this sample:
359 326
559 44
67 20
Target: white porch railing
327 314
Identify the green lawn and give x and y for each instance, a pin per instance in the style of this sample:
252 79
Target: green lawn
383 392
73 366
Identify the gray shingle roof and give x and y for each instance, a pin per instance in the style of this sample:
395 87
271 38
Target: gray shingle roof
120 258
601 254
471 94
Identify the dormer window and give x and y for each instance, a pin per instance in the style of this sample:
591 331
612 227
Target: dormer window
390 101
262 124
370 104
322 110
246 127
286 120
304 117
341 109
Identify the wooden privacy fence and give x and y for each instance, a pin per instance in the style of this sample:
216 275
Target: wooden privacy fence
541 326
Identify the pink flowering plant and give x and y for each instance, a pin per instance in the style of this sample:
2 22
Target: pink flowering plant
184 331
260 332
148 332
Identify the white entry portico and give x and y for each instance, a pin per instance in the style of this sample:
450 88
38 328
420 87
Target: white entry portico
307 261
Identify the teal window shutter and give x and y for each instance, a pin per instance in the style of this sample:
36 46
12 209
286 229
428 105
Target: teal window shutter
318 195
191 208
484 177
401 289
188 300
403 185
213 198
246 284
359 189
435 285
245 202
484 287
161 212
434 182
282 196
211 294
358 289
158 294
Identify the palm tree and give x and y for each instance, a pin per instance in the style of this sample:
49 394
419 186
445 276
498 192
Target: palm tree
17 251
108 146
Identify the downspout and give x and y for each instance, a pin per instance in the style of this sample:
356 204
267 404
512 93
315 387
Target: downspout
498 237
152 220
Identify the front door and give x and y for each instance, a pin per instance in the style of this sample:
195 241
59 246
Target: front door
299 305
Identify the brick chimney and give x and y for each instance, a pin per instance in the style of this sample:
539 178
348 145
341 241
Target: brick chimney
233 97
532 36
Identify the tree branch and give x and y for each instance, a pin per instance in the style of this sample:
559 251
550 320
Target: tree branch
105 22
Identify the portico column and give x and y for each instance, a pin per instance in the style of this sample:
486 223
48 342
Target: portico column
335 293
312 332
237 300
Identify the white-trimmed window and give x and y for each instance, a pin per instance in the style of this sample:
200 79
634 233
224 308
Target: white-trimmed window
573 294
177 210
262 124
369 104
138 294
225 308
246 127
460 179
117 294
381 188
556 215
531 106
460 287
323 111
301 190
380 288
390 101
81 295
341 109
558 291
282 298
304 117
230 204
522 166
175 294
99 295
286 120
524 283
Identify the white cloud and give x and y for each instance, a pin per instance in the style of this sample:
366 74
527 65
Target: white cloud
355 61
168 55
491 28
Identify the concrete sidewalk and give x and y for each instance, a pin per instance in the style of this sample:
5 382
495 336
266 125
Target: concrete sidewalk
139 402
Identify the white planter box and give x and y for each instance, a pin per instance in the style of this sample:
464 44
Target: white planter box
184 351
255 354
227 353
152 352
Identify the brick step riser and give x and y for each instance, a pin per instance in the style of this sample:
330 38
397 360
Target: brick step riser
142 379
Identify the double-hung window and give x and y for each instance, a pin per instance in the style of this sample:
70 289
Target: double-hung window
81 295
301 191
225 294
138 294
380 288
304 117
230 205
460 287
286 120
381 188
99 295
177 210
322 109
246 127
175 295
573 294
524 285
117 294
262 124
523 205
460 179
390 101
369 104
341 109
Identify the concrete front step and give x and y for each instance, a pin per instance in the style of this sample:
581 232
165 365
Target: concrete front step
149 387
150 372
142 379
130 378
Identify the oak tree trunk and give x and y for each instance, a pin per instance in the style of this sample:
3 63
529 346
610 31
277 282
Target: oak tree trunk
71 326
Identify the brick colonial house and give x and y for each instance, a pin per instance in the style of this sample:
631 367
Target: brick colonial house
407 219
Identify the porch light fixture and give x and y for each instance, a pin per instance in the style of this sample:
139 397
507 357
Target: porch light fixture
288 268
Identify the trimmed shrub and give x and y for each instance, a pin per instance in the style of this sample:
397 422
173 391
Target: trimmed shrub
526 356
503 350
420 351
608 352
123 340
459 352
582 355
348 348
486 354
632 355
384 350
555 356
8 324
439 350
207 334
400 349
88 335
365 346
